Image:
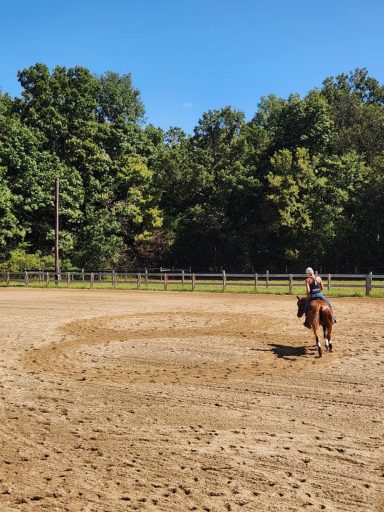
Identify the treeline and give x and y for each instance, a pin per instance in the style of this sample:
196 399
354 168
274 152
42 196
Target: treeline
301 183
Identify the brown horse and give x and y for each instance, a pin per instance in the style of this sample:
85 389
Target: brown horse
319 314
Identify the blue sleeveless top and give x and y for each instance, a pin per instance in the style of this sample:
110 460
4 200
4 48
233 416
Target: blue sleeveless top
314 288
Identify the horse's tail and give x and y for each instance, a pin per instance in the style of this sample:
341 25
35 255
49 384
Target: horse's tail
321 316
326 320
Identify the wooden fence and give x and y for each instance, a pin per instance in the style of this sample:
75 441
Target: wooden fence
283 283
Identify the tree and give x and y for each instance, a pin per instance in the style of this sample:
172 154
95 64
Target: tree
302 181
118 99
357 102
29 175
58 103
313 204
211 187
296 122
11 232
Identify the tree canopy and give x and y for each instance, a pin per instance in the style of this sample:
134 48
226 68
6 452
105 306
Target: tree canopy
301 182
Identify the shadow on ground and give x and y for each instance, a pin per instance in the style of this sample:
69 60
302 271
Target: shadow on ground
288 351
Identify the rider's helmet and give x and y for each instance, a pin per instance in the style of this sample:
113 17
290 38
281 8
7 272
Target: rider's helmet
309 271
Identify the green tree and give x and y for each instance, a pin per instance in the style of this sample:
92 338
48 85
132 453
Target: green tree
118 99
212 189
312 206
357 104
11 232
30 174
58 103
296 122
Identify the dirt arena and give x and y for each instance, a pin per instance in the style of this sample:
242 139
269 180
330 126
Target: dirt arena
160 401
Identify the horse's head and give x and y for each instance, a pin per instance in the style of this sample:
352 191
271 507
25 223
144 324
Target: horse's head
300 305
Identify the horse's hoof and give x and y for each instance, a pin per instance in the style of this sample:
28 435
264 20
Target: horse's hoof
330 347
320 352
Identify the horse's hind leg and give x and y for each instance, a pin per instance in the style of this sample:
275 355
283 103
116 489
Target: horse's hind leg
326 340
318 344
329 332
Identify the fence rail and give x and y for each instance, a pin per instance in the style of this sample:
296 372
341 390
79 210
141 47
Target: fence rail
285 283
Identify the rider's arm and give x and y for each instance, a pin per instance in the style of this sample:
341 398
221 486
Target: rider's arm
320 281
307 281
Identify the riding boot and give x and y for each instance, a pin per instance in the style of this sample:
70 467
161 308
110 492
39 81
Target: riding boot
307 323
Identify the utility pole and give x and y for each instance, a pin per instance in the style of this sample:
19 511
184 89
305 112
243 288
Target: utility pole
57 209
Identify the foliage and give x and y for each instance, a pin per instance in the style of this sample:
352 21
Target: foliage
300 183
20 260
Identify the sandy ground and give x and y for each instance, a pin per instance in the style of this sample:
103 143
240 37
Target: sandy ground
117 401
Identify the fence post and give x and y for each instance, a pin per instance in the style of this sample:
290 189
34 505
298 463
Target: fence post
290 284
329 282
113 279
267 279
82 276
47 279
68 279
224 281
368 284
165 281
8 278
92 280
256 281
193 282
26 278
146 277
182 279
138 280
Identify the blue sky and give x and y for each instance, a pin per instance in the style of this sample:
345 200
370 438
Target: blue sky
188 57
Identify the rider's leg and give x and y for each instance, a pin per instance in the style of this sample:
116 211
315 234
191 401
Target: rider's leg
331 308
307 323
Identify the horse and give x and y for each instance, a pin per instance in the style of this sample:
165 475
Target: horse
319 314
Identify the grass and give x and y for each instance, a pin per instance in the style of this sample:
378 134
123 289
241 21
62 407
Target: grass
275 287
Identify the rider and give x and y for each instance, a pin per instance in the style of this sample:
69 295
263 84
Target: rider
314 286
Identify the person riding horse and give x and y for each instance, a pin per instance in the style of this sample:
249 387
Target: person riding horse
314 286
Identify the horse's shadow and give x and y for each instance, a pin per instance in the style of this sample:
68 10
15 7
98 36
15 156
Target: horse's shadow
288 351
